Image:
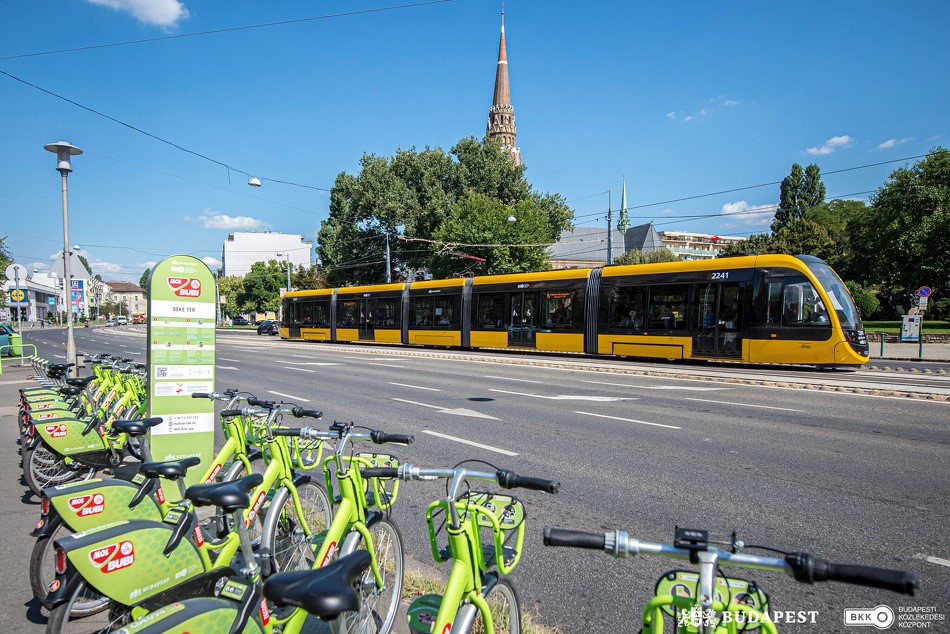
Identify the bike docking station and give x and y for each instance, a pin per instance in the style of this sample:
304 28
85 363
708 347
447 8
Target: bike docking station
181 346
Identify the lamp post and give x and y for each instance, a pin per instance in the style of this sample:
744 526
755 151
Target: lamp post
63 152
287 255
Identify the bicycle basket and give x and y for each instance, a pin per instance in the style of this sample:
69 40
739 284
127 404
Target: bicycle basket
503 517
384 490
740 595
305 453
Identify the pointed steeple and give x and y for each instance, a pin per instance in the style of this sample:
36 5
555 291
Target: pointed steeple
624 223
501 115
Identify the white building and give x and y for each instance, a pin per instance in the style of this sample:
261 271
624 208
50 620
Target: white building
696 246
241 250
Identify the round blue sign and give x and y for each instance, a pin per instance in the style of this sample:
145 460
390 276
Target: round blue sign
924 291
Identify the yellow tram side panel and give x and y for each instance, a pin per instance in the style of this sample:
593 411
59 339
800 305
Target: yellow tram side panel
514 278
387 335
314 334
445 338
559 342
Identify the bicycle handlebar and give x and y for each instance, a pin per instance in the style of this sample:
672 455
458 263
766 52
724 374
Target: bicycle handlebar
381 438
300 412
803 567
510 480
504 478
380 472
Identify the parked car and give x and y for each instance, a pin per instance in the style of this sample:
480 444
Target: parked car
5 332
240 321
121 320
110 323
267 327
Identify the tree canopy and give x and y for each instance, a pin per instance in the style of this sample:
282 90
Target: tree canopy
800 190
437 200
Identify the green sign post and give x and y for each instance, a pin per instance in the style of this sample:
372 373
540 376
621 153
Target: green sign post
181 328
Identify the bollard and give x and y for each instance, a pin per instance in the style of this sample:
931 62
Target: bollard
882 345
920 351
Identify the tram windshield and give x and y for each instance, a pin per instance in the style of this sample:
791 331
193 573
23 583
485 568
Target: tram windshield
838 293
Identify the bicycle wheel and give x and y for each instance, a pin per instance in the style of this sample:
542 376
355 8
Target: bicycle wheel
505 610
43 573
291 548
43 468
378 606
62 621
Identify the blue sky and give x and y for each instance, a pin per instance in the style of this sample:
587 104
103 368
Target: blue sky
680 98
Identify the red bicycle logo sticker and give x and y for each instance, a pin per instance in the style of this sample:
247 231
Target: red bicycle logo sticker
185 286
86 505
113 557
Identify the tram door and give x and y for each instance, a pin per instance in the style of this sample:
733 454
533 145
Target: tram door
522 319
717 316
364 310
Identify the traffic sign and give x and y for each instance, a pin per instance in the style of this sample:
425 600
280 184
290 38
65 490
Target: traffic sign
17 295
924 291
16 272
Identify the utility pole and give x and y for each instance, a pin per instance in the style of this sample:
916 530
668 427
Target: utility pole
389 274
610 232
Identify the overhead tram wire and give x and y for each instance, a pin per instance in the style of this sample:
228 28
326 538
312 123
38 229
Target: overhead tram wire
246 27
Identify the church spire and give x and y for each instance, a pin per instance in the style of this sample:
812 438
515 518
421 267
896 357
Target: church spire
501 115
624 223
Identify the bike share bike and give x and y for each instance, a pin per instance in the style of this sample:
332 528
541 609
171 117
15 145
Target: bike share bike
710 602
477 598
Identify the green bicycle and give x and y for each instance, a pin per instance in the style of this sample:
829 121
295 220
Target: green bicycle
711 602
477 597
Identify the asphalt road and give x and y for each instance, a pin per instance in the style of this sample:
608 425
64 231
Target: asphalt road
855 478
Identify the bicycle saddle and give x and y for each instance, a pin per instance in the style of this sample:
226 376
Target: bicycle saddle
136 427
230 496
81 381
171 470
324 592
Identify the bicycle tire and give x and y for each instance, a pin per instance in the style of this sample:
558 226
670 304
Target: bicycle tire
62 621
289 547
505 609
378 610
43 468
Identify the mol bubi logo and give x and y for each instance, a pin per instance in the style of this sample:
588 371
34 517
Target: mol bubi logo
86 505
185 286
113 557
56 431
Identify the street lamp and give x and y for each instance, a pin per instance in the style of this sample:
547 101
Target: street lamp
63 152
287 255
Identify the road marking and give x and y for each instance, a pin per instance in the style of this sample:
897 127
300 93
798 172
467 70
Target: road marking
121 346
629 420
290 367
706 400
232 360
388 365
505 378
226 367
933 560
310 363
460 411
59 356
470 442
417 387
290 396
572 397
302 356
660 387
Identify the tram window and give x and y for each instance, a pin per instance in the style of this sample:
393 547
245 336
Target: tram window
626 307
490 312
386 312
321 314
445 312
802 306
559 310
668 307
421 311
774 311
348 315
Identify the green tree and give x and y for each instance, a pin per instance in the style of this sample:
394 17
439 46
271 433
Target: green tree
143 281
758 244
260 290
231 287
901 242
636 256
865 299
6 259
837 217
415 194
799 191
308 278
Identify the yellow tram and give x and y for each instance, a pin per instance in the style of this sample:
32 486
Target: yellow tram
752 309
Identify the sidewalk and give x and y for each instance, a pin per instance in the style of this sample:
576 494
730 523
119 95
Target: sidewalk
911 351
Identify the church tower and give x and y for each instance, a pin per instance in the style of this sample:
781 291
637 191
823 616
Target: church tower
501 116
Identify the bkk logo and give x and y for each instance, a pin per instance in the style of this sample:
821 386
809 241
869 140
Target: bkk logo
86 505
113 557
185 286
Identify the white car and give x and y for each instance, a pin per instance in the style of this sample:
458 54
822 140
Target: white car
110 323
121 320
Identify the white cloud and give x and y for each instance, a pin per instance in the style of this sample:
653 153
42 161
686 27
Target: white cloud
893 143
706 108
742 214
731 102
157 12
215 220
832 144
671 115
213 263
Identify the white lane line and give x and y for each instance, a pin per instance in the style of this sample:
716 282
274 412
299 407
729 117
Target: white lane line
460 411
470 442
231 360
301 356
572 397
629 420
226 367
290 367
387 365
59 356
782 409
290 396
121 346
309 363
506 378
661 387
934 560
417 387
